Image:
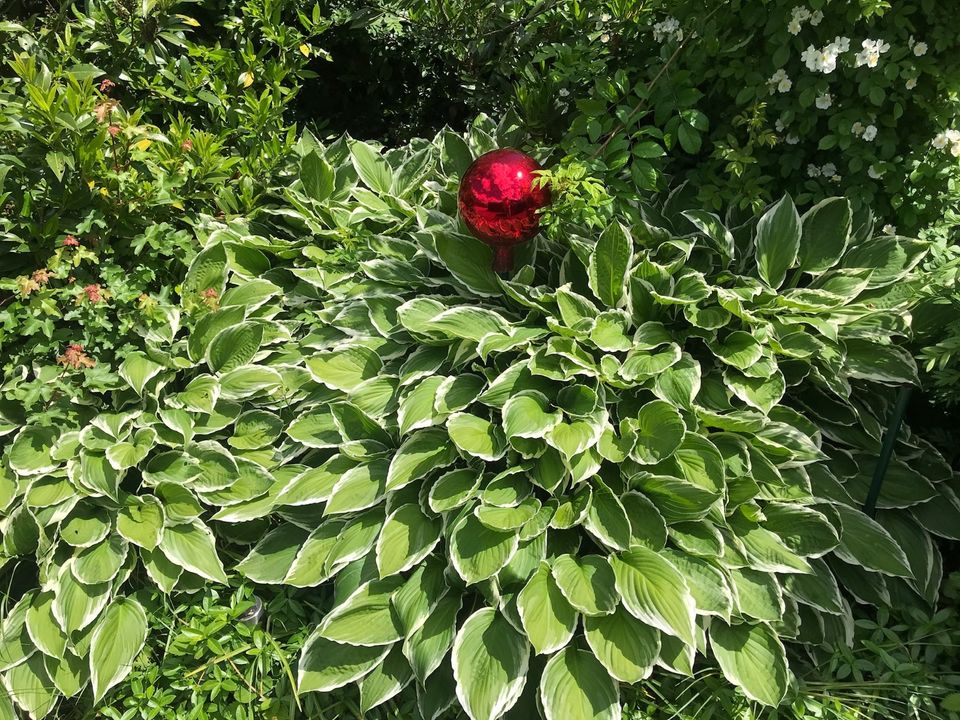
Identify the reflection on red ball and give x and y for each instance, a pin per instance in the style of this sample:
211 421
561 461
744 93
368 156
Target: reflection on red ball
499 203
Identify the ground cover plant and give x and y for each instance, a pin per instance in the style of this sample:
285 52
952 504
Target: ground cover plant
647 448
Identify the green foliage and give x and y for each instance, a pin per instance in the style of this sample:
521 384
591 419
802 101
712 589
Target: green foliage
122 128
653 94
662 431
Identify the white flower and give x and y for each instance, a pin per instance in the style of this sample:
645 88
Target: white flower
563 92
857 128
953 136
910 84
825 59
829 170
911 42
889 229
836 178
920 49
801 13
813 171
792 139
875 173
872 50
667 30
816 18
779 126
605 38
605 17
869 133
793 27
955 149
842 42
780 80
824 101
940 141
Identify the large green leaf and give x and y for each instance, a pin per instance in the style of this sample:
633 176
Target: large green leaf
864 542
192 546
326 665
778 241
826 232
406 539
422 452
753 658
608 264
234 346
626 647
478 552
117 640
587 583
366 617
654 591
575 686
489 664
548 619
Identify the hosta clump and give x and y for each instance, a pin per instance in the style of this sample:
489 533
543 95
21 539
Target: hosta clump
646 449
638 449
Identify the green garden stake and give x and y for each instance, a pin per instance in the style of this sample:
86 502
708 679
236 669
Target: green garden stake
886 450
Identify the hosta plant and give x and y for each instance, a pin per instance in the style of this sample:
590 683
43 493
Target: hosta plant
642 452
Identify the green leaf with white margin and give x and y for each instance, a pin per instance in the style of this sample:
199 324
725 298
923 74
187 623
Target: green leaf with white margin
626 647
653 590
326 665
15 643
575 686
366 617
477 552
680 383
234 346
417 407
345 367
76 605
137 369
709 587
825 234
864 542
70 675
609 263
752 658
192 546
102 562
272 558
606 519
127 454
42 627
372 168
315 428
778 241
207 272
548 619
587 583
407 537
739 349
6 707
426 647
659 431
360 487
469 323
30 687
526 415
386 680
422 452
476 436
116 642
819 590
490 661
30 452
760 393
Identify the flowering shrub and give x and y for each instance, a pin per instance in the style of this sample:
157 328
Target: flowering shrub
105 170
740 101
646 448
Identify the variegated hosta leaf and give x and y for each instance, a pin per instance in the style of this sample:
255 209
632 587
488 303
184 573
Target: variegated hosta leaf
636 442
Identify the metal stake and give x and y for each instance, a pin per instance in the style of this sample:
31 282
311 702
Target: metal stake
886 450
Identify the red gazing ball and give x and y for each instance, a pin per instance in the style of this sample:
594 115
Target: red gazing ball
498 201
